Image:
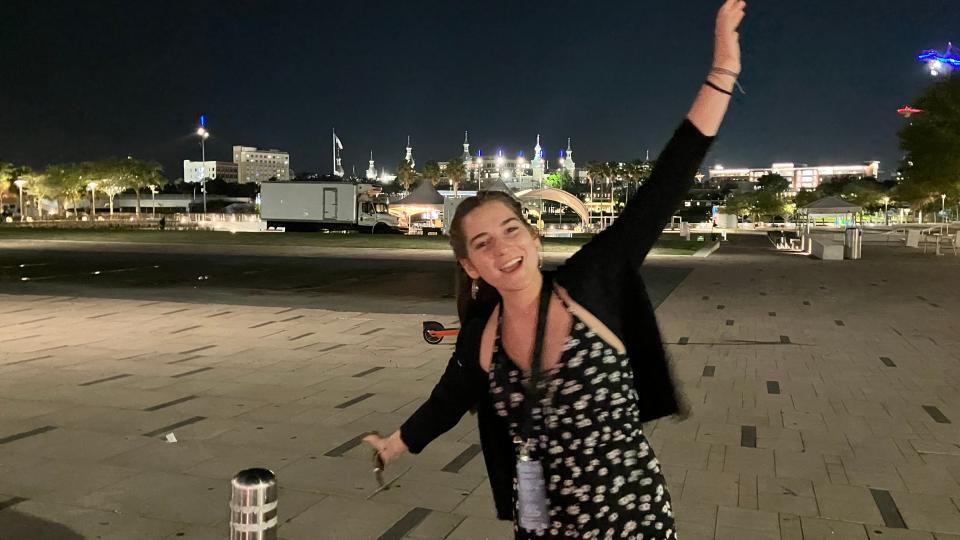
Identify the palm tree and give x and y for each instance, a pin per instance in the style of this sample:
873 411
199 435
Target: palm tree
111 177
65 181
431 172
7 174
142 175
35 185
406 176
456 172
595 171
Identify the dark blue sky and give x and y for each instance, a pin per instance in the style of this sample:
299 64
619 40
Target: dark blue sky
84 80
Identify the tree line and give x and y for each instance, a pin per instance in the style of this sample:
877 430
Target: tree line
65 183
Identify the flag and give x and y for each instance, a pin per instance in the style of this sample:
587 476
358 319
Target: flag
337 140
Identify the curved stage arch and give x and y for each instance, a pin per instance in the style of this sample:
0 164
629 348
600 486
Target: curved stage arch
558 196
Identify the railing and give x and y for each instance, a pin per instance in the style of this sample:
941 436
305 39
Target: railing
131 221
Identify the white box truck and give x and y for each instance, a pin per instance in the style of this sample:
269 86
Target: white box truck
317 206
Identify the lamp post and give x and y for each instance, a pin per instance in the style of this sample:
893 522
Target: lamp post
203 134
92 186
153 199
500 164
886 204
943 206
479 172
20 183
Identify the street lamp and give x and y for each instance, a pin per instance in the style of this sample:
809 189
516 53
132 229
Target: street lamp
479 170
204 135
92 186
20 183
153 199
886 215
943 206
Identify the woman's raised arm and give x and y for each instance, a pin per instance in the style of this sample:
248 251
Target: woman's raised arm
711 104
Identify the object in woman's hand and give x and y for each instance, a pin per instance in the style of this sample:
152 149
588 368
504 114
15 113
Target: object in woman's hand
378 467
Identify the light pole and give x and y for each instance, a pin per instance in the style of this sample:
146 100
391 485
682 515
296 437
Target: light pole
479 172
20 183
92 186
886 215
203 134
153 199
943 206
500 164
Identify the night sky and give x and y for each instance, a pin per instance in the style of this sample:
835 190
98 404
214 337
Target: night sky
86 80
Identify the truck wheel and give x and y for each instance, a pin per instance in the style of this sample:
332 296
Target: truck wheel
379 228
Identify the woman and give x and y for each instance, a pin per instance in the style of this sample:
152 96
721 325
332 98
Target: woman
563 367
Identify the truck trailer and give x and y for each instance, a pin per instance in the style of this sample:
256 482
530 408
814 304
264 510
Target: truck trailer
325 206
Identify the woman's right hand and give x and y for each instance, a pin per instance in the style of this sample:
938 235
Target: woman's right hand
388 448
726 52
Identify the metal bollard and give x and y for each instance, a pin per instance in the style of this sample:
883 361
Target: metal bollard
253 505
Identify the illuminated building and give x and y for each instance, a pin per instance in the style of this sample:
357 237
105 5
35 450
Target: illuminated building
800 176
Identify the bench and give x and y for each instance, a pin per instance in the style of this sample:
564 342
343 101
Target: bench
826 251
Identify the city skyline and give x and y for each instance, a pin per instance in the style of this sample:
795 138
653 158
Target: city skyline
504 75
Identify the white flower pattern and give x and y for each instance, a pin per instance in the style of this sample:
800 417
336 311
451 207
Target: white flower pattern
603 480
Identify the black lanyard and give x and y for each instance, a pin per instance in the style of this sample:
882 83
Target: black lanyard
532 393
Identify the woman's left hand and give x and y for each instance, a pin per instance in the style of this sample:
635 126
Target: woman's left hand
726 53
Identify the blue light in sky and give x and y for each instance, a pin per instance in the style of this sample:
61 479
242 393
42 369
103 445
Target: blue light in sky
941 63
203 120
933 56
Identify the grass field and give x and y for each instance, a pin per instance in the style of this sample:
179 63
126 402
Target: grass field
665 246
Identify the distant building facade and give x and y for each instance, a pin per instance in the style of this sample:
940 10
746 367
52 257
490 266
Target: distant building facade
800 176
517 172
256 165
195 171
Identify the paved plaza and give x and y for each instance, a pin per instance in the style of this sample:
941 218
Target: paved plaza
824 405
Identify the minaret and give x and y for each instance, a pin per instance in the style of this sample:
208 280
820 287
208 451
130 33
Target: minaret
409 157
466 148
568 164
537 163
371 170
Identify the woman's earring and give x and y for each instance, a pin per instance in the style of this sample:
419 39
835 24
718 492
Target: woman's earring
474 289
541 260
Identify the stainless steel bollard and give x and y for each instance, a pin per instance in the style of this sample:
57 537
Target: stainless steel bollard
253 505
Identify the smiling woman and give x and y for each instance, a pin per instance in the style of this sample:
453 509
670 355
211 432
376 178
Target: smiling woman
564 367
479 240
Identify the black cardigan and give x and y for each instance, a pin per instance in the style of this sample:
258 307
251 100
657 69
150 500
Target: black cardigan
604 278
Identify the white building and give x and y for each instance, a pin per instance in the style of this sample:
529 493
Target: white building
371 169
409 155
195 171
800 176
515 172
256 165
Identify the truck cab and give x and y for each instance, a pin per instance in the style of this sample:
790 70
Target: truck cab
373 213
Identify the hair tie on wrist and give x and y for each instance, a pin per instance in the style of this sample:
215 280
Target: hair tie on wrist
724 71
730 73
736 83
717 88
